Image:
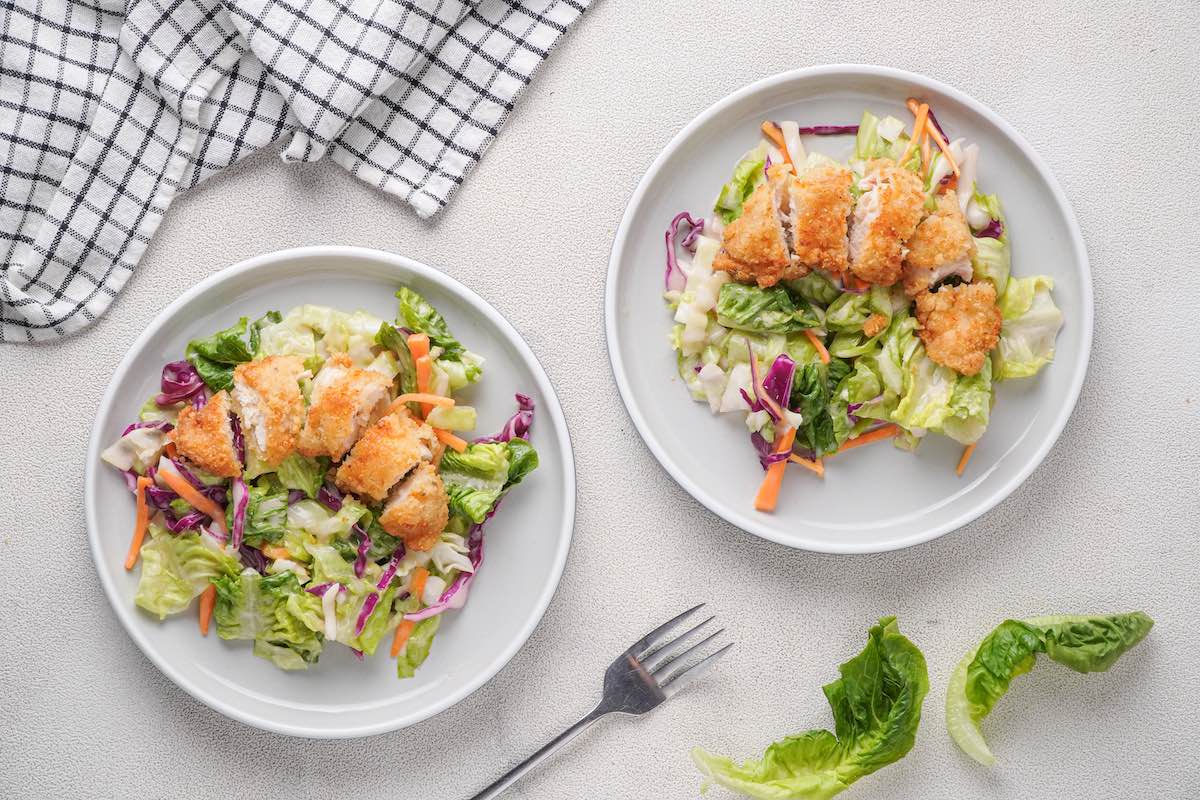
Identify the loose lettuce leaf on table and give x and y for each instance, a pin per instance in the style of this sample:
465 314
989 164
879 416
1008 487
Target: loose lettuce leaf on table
876 705
1083 643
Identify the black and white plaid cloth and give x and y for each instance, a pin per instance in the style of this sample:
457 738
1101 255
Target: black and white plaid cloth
109 108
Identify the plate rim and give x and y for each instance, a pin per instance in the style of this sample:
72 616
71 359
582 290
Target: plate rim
393 261
749 524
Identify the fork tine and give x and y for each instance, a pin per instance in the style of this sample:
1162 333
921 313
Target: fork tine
655 636
669 651
660 673
680 680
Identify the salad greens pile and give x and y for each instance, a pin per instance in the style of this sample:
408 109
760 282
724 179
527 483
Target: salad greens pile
1082 643
306 565
876 708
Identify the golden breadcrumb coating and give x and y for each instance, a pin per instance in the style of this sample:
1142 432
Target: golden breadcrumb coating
941 246
959 325
886 216
418 509
875 324
267 397
205 437
385 454
345 400
754 248
820 203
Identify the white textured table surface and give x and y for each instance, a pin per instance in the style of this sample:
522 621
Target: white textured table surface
1109 521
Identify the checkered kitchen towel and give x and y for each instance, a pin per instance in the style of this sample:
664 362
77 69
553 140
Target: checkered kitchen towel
109 108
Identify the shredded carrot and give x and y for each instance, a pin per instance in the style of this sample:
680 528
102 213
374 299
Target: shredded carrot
914 107
815 466
171 450
768 493
208 598
416 586
918 131
925 154
425 398
418 345
450 440
424 366
403 631
817 343
962 462
207 507
275 551
775 134
141 520
886 432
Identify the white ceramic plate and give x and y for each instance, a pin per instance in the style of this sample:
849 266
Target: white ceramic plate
526 544
876 498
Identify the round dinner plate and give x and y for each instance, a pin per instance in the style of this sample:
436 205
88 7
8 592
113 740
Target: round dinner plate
526 545
875 498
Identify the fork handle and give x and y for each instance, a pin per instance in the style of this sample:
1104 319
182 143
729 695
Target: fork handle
515 774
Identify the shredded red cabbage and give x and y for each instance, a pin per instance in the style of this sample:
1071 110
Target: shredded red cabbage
367 608
320 589
239 441
389 571
180 382
518 424
253 558
295 496
674 279
778 383
766 453
330 497
241 499
993 230
159 425
828 130
461 583
360 563
765 401
215 534
933 118
357 653
192 519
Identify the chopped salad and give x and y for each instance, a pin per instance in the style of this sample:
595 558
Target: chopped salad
304 477
836 303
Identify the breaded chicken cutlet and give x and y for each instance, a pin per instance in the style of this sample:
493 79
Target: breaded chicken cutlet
418 509
885 217
941 246
345 400
205 437
385 453
820 204
754 247
959 325
266 395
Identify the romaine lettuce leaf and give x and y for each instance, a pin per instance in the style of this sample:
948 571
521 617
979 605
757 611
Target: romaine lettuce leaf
304 474
884 138
970 406
876 705
264 608
927 390
417 648
758 310
311 516
747 175
810 396
1083 643
815 287
1031 322
266 512
992 262
419 316
177 568
393 339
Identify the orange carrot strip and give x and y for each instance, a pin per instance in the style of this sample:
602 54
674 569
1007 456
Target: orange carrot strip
403 631
886 432
425 398
207 507
815 466
208 599
424 367
768 493
171 450
416 586
450 440
914 107
925 155
962 462
141 520
418 345
773 132
817 343
275 551
918 131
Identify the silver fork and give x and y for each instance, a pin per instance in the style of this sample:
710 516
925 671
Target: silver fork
655 669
